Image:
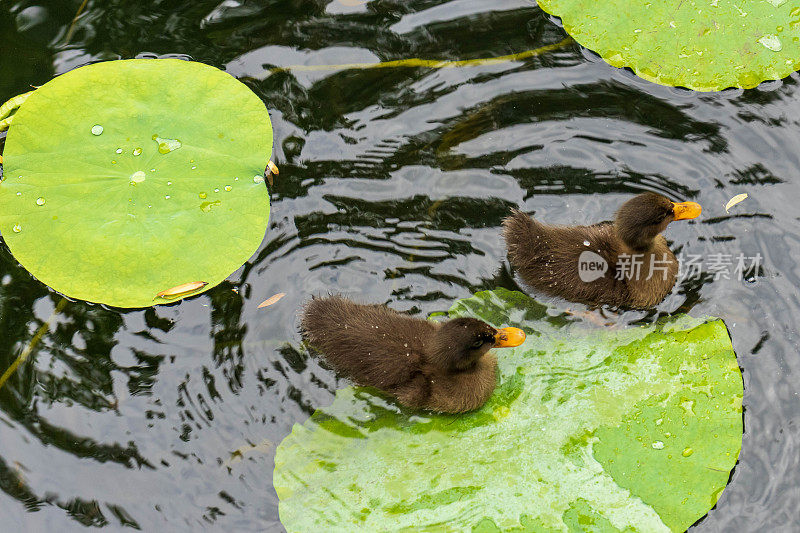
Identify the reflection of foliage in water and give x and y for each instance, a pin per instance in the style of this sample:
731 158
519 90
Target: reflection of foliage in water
71 365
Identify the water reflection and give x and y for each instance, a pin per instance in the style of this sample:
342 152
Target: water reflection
393 184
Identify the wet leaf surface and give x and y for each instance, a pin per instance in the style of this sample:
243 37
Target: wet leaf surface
706 45
139 174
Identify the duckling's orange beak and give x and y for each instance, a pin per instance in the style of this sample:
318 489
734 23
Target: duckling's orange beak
686 210
509 337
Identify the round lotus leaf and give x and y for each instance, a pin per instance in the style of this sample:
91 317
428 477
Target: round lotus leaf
705 45
588 430
127 178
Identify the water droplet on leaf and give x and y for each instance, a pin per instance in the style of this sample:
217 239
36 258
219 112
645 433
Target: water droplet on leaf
166 146
40 201
205 207
17 228
258 179
118 150
97 129
137 151
228 188
138 176
687 452
658 445
202 195
772 42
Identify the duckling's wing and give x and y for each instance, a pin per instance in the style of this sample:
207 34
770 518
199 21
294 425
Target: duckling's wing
371 344
558 260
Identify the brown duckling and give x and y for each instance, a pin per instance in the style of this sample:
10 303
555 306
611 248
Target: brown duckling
597 264
441 366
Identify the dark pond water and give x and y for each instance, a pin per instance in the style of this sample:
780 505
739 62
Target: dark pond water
393 184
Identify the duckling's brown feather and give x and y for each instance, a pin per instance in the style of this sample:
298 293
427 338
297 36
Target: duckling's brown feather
376 346
547 259
371 344
464 391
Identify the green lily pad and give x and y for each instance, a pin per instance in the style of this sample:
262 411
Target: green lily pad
705 45
127 178
613 430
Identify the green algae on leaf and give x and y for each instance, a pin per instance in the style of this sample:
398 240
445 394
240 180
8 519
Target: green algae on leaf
586 428
103 167
705 45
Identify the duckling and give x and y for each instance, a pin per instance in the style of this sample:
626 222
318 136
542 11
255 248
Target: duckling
439 366
597 265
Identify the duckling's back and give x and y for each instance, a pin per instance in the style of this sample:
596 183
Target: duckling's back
371 344
547 258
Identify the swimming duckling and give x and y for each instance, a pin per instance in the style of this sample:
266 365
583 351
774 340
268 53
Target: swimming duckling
440 366
624 263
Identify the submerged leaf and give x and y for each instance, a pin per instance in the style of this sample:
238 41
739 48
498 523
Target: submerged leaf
265 446
705 46
584 427
735 200
126 177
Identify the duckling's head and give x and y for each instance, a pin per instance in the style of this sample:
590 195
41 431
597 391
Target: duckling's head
643 217
459 343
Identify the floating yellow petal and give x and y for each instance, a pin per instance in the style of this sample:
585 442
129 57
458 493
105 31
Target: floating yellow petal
735 200
271 300
181 290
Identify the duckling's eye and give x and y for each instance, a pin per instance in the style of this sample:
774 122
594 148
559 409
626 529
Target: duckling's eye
477 344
